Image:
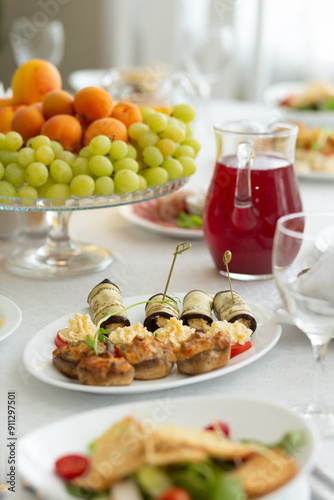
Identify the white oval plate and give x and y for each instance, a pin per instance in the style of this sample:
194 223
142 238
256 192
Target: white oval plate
37 355
248 419
178 232
315 176
11 315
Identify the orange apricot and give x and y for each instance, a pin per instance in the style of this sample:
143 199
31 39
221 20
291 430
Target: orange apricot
33 80
6 115
92 103
28 122
6 101
58 102
65 129
127 112
38 105
112 128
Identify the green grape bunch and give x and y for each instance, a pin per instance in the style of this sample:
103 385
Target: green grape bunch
160 149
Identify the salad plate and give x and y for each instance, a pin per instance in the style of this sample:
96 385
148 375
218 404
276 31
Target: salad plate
256 419
10 317
37 356
275 94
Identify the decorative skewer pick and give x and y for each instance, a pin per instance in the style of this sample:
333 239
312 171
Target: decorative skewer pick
181 247
227 259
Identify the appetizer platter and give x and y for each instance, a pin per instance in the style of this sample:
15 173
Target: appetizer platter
153 343
47 469
178 214
310 103
10 317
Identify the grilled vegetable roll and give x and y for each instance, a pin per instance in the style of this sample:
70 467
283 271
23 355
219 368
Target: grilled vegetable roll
157 312
197 307
236 310
104 298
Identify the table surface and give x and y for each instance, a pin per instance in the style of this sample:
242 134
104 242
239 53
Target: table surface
140 266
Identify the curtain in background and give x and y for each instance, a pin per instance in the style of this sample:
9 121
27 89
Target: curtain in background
282 41
237 47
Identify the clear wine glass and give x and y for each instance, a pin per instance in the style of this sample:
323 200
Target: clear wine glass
32 38
303 264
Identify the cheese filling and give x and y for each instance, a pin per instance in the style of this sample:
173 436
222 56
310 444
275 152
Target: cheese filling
174 332
78 328
238 332
128 333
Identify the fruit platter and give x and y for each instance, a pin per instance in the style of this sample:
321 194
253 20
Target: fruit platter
144 344
61 152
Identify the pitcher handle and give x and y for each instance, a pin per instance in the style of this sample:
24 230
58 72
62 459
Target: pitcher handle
243 187
244 214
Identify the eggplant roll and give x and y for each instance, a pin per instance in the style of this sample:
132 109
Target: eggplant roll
233 310
197 305
104 298
156 310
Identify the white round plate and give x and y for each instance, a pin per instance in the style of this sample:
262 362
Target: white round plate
37 355
247 418
86 78
11 317
315 176
178 232
274 94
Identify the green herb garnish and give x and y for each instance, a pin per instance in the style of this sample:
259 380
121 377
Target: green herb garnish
189 221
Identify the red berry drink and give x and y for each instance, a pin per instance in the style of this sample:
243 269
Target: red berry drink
247 229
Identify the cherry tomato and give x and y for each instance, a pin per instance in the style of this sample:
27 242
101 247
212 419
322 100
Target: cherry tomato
71 466
238 348
59 341
175 493
220 426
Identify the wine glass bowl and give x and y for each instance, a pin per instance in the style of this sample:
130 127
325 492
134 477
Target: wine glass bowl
43 40
303 265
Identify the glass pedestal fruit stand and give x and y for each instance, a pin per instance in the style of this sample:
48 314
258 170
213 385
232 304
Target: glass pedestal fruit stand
59 255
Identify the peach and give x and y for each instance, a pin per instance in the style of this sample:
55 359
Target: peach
33 80
28 122
65 129
92 103
6 115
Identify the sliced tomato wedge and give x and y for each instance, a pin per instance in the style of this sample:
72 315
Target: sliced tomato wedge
238 348
59 341
175 493
219 426
70 466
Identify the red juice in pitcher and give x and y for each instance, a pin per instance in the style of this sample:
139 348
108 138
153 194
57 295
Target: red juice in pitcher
247 229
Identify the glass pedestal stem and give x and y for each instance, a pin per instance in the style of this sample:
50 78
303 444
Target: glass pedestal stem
58 256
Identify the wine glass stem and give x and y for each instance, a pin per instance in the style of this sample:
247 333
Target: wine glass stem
319 355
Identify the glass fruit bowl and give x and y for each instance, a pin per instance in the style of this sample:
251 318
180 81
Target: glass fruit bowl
59 255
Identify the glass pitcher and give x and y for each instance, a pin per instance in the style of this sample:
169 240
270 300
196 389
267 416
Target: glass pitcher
159 86
253 184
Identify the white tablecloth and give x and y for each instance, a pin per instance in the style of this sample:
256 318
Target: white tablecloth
141 263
